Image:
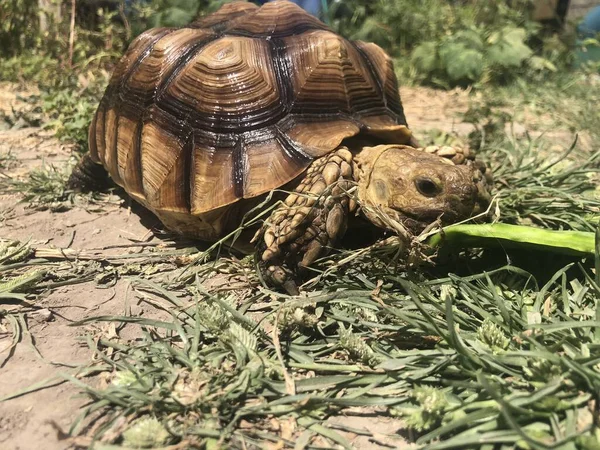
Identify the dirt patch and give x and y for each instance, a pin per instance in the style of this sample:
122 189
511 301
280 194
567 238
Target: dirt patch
28 419
13 97
27 422
29 148
31 421
428 109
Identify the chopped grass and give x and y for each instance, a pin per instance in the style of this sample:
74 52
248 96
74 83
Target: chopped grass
44 188
494 358
471 352
497 356
535 186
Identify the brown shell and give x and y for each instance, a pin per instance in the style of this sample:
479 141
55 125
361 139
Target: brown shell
236 104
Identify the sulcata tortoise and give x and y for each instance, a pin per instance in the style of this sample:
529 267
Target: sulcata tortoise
199 124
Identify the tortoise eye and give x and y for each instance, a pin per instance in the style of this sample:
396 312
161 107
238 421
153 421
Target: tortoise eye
427 187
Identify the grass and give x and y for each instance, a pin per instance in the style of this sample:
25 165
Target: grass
565 100
43 188
7 161
496 356
546 189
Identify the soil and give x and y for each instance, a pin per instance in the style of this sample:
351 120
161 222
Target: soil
38 419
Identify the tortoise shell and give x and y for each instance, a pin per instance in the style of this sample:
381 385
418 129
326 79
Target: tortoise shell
236 104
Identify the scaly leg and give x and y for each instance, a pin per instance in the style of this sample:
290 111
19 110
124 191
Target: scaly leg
309 222
88 176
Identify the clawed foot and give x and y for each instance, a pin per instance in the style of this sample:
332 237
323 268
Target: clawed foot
281 277
308 223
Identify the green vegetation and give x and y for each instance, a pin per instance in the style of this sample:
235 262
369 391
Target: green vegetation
466 360
447 43
499 355
18 26
493 348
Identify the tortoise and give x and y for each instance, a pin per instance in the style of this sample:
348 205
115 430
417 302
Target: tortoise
200 123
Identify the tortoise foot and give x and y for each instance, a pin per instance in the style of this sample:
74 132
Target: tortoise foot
280 277
88 176
309 222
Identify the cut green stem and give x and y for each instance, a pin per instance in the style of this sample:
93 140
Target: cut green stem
577 243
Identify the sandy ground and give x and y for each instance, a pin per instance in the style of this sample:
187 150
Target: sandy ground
32 421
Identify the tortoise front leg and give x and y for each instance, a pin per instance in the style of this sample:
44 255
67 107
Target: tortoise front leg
308 223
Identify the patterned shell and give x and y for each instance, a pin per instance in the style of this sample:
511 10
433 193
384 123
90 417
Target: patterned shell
236 104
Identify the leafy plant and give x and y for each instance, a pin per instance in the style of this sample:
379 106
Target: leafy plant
177 13
450 43
71 108
477 55
29 67
18 25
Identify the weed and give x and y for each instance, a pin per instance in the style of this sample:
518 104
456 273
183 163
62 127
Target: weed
18 25
492 330
7 160
44 188
477 55
71 108
29 67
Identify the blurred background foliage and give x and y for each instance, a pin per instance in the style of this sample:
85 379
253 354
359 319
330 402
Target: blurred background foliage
456 42
68 47
443 42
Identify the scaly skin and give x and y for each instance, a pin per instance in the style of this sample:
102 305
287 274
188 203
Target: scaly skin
314 218
309 222
482 177
88 176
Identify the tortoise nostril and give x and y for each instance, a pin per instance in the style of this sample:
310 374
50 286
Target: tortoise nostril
427 186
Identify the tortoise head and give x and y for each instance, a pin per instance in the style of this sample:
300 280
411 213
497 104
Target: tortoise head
415 188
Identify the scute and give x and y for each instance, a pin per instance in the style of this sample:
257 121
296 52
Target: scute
143 43
230 85
236 104
165 159
275 20
381 62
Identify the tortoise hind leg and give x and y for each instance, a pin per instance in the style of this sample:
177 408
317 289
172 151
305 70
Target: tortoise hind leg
88 176
308 223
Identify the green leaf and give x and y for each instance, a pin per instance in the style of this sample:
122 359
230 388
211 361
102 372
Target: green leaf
461 62
507 48
176 17
541 64
470 38
424 57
